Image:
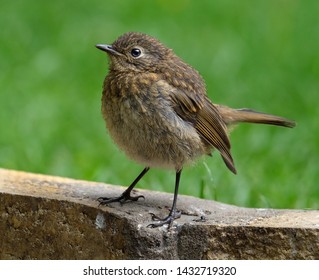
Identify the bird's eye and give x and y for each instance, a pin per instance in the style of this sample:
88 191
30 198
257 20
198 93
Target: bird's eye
136 52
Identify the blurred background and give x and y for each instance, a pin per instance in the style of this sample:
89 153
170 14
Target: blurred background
258 54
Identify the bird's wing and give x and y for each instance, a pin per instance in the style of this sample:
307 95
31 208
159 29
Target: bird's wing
199 110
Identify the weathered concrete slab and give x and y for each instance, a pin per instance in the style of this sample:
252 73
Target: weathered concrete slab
46 217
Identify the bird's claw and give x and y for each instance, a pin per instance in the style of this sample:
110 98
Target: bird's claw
121 199
166 221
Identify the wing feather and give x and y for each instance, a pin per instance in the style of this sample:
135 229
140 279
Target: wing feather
200 111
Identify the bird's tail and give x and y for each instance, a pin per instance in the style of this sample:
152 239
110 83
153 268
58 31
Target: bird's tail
233 116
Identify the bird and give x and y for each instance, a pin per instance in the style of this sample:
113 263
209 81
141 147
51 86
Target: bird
157 111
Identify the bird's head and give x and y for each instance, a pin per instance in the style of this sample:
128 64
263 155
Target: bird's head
137 52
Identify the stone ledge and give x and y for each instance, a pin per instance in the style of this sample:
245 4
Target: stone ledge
46 217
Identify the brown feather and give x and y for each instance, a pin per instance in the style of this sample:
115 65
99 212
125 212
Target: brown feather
207 121
233 116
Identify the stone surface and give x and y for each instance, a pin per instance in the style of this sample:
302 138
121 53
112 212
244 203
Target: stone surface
46 217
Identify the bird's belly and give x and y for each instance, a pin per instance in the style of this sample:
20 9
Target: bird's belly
154 136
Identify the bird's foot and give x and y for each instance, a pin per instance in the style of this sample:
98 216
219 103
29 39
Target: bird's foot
124 197
166 221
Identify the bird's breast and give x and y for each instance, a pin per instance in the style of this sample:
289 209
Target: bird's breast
146 127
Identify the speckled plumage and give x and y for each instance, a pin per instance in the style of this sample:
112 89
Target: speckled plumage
157 111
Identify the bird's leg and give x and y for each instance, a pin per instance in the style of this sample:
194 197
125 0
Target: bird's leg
126 195
173 214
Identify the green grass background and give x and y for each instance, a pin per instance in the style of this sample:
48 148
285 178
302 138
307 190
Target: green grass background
258 54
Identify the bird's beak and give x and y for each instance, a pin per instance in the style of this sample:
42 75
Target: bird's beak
107 48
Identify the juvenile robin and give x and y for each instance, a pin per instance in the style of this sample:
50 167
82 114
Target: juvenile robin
157 111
